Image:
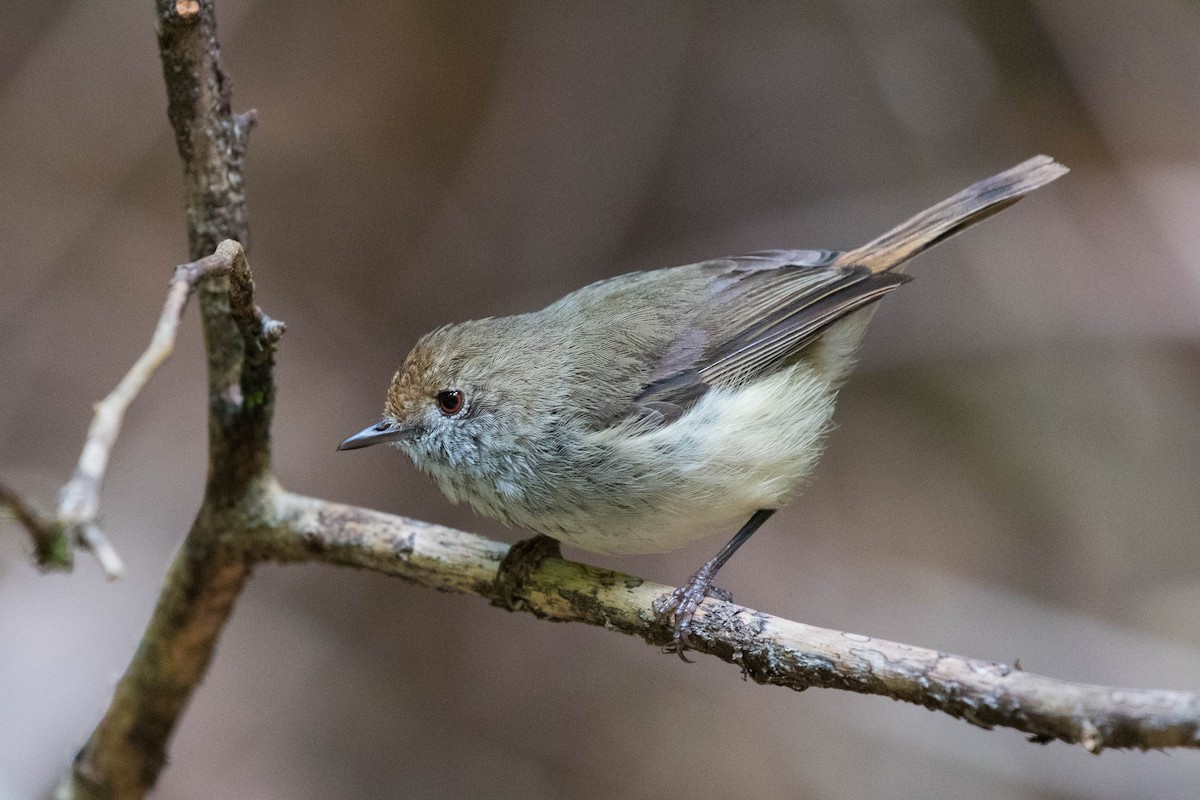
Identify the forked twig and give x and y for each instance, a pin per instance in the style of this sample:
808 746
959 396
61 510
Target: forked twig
76 518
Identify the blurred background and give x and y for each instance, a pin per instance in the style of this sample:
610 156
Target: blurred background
1014 473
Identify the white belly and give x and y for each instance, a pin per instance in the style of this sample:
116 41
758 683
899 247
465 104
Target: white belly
735 452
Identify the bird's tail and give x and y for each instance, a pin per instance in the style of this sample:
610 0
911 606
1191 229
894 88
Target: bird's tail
952 215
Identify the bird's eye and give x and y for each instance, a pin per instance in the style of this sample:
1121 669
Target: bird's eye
450 402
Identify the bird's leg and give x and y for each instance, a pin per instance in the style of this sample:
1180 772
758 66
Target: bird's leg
683 602
521 560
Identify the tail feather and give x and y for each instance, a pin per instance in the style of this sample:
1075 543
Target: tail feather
954 214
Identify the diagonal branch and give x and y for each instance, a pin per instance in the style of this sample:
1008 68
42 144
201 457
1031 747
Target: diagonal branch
768 649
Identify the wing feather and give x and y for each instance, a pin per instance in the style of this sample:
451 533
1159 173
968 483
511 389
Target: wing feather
765 308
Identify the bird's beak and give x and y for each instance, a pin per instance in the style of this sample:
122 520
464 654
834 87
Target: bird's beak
383 431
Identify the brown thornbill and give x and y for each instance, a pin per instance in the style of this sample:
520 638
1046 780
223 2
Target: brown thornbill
645 411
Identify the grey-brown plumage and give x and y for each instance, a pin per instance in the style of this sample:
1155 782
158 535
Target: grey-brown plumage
643 411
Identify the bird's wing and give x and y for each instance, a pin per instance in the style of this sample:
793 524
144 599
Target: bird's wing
764 308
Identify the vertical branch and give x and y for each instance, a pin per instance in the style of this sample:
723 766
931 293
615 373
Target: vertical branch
126 752
211 140
128 749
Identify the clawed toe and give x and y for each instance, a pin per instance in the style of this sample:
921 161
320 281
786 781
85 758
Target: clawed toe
682 603
679 607
719 593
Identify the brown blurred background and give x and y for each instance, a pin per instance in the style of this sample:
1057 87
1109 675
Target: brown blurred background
1014 473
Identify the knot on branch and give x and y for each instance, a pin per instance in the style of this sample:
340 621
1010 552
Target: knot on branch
522 560
52 546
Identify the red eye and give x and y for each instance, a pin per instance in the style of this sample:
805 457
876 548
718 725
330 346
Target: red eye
450 402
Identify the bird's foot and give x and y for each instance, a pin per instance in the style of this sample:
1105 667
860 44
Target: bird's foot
677 608
522 559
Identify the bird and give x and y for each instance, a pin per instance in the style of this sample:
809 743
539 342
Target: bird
646 411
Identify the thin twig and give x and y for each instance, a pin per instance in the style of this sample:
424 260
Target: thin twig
79 501
76 519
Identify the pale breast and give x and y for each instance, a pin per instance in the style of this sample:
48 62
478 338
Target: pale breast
736 451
